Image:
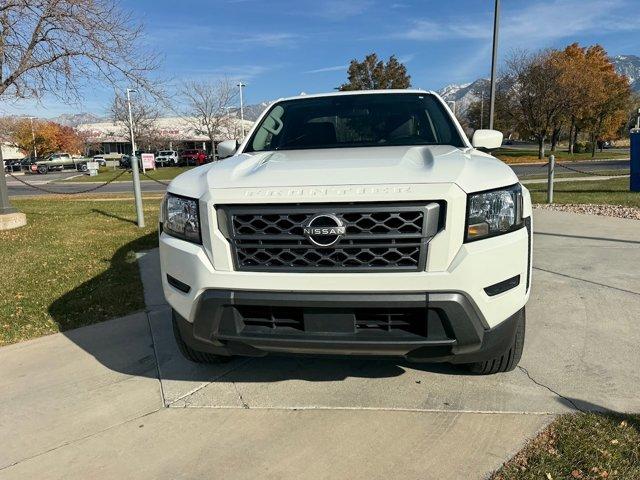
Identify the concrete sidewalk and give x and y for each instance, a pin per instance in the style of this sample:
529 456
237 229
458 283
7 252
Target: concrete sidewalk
92 402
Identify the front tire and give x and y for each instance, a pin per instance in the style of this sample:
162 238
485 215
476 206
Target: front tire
43 169
191 354
508 360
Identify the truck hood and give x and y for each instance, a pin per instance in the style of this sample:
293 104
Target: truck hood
470 169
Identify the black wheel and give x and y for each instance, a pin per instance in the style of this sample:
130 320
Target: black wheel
509 359
194 355
83 167
42 169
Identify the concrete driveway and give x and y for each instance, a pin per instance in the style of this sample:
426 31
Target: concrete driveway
92 402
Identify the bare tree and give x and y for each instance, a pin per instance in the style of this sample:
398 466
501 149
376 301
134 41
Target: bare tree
207 106
144 116
58 46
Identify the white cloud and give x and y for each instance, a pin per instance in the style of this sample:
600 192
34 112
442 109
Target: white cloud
445 30
335 68
233 43
336 10
537 24
406 58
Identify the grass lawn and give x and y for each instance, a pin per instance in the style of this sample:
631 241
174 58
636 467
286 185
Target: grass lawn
528 156
72 265
580 446
611 192
105 174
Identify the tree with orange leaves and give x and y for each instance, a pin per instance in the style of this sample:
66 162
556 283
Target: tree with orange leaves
47 137
596 95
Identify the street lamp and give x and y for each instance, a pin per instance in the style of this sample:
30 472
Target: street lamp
33 139
134 165
241 85
494 63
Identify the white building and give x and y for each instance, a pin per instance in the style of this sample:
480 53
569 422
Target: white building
175 133
9 152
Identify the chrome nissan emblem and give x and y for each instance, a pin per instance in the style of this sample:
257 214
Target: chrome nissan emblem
324 230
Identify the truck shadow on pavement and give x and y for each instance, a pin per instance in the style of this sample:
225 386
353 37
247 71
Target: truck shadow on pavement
142 343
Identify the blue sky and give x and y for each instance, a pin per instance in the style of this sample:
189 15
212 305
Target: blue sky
281 47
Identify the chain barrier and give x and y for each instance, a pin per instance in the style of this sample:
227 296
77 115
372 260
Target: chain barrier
47 190
595 174
155 179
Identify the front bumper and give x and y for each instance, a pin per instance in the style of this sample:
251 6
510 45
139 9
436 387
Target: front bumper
434 326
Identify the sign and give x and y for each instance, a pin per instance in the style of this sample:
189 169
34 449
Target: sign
93 168
148 161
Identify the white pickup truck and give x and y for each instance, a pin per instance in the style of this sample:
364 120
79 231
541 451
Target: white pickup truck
352 223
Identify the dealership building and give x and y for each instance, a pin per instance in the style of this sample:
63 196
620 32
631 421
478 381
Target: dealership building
172 133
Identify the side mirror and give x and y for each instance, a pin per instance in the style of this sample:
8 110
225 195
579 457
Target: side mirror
227 148
489 139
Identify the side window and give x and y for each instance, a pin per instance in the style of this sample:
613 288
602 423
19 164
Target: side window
271 126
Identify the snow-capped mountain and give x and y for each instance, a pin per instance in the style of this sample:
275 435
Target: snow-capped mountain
629 65
252 112
75 119
466 93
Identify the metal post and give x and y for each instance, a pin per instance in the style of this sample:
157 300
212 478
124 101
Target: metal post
634 181
5 205
481 108
134 167
494 63
241 86
551 170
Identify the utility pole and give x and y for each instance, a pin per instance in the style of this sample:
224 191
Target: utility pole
134 166
494 63
33 139
241 86
481 109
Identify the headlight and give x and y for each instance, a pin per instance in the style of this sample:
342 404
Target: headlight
181 218
494 212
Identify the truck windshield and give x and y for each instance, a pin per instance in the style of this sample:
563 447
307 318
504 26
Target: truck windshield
363 120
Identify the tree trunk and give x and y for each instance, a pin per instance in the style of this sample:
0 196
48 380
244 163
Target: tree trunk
541 140
554 138
593 145
572 142
576 130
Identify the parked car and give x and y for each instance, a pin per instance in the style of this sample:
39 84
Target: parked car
60 161
100 159
167 158
350 223
192 156
125 162
14 165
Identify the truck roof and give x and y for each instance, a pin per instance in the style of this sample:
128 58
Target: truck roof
357 92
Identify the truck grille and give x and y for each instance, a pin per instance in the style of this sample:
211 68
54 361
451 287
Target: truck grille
361 237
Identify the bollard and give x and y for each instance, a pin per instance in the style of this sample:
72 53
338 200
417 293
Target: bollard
551 167
634 181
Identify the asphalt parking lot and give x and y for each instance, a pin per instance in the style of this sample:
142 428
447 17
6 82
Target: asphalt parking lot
117 400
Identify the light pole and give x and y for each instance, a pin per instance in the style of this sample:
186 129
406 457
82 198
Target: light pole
494 63
33 139
481 109
241 85
134 166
